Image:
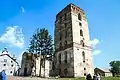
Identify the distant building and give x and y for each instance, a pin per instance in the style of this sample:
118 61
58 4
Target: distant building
9 64
73 53
103 72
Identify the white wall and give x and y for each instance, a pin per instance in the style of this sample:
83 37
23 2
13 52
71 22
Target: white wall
8 65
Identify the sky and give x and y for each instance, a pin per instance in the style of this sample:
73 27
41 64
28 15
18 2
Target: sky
20 18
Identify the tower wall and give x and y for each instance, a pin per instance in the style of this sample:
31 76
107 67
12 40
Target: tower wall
72 38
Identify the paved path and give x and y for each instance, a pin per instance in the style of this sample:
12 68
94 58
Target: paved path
26 78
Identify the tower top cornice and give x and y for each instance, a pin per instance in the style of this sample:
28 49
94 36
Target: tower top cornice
71 8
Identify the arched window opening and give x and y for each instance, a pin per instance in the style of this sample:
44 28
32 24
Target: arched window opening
59 58
83 55
60 35
79 17
59 71
65 56
84 68
65 16
65 71
82 43
60 20
81 33
60 44
80 24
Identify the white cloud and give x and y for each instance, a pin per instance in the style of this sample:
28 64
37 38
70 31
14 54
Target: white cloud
22 9
96 52
94 42
13 36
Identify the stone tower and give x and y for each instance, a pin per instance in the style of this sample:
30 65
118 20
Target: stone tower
73 56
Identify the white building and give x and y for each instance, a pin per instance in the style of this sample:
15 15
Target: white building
9 64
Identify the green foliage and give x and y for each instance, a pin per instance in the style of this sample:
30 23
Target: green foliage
41 42
115 68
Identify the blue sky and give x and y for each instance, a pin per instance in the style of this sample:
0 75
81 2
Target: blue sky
103 20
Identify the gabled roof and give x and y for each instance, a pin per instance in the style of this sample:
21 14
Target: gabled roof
104 70
9 57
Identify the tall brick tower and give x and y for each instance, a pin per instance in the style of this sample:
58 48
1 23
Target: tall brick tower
73 54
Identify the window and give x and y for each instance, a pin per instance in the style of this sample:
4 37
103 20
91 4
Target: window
65 72
53 66
83 55
84 74
59 71
65 16
11 61
60 19
5 60
82 43
65 25
81 33
79 17
59 58
65 56
84 68
60 35
4 64
10 72
65 30
60 44
12 65
80 24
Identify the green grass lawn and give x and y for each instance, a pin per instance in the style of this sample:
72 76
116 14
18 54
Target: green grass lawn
103 78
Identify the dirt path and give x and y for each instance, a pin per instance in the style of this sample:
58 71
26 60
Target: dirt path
26 78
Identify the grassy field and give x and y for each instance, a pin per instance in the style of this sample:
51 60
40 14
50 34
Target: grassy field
103 78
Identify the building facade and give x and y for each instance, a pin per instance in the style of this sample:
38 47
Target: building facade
9 64
27 64
33 64
73 54
43 69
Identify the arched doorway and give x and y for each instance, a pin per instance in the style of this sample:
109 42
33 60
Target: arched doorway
25 71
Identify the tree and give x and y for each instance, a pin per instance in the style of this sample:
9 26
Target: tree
41 43
115 68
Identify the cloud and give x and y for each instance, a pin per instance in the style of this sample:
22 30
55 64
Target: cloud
94 42
13 36
96 52
22 9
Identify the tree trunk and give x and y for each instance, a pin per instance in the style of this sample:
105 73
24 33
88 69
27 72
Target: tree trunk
35 64
40 67
44 66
